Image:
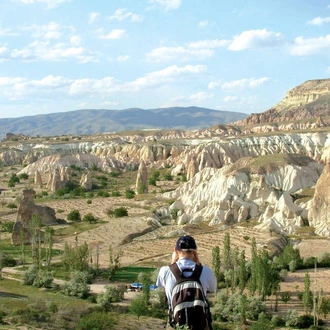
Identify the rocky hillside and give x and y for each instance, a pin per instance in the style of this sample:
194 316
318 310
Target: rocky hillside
272 174
305 103
99 121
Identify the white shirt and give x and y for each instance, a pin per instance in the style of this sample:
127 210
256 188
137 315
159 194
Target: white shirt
166 279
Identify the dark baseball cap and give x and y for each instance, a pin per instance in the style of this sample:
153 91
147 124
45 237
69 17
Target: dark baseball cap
186 243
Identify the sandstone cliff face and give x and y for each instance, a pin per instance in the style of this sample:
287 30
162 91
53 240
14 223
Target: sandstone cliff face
306 102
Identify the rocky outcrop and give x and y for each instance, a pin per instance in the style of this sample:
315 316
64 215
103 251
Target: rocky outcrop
259 188
26 210
37 179
308 102
86 181
141 185
319 213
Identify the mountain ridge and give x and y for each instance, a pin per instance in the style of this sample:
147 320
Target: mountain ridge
78 122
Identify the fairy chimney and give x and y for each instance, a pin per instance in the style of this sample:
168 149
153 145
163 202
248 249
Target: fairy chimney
142 179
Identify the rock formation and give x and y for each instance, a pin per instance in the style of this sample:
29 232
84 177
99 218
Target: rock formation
37 179
86 180
319 213
259 188
141 185
26 209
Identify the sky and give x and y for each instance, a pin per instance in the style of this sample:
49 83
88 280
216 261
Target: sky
234 55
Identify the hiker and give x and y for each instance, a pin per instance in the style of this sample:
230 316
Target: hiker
185 265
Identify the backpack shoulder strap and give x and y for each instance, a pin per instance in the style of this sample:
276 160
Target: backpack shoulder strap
197 272
176 271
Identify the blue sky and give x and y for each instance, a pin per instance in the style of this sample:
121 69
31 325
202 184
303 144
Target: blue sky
237 55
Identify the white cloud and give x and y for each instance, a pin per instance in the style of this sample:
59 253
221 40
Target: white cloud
200 97
244 83
7 32
209 44
122 58
50 3
165 76
3 50
122 14
45 51
309 46
49 31
199 50
93 17
113 34
52 86
231 98
319 21
203 24
75 40
168 4
256 39
164 54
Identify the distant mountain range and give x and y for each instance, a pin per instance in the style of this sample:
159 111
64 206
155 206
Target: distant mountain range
93 121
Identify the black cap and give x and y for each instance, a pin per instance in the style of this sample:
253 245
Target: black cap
186 243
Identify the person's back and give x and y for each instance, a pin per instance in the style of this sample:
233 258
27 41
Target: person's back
186 262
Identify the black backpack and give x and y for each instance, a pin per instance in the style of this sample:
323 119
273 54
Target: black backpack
189 305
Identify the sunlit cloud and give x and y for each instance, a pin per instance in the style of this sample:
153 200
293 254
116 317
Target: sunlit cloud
309 46
203 24
319 21
199 50
50 3
113 34
122 58
45 51
168 4
254 39
93 17
52 86
243 84
122 14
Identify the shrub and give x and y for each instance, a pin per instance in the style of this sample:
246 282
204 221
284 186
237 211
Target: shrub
6 261
89 201
97 321
7 226
89 217
115 194
305 321
23 176
74 216
120 212
291 318
129 193
110 296
78 286
12 206
168 176
277 321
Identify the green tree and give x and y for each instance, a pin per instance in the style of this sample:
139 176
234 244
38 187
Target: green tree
252 283
49 241
74 216
307 295
35 238
138 306
243 275
227 252
114 260
216 262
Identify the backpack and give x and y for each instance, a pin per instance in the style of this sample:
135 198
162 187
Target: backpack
188 304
